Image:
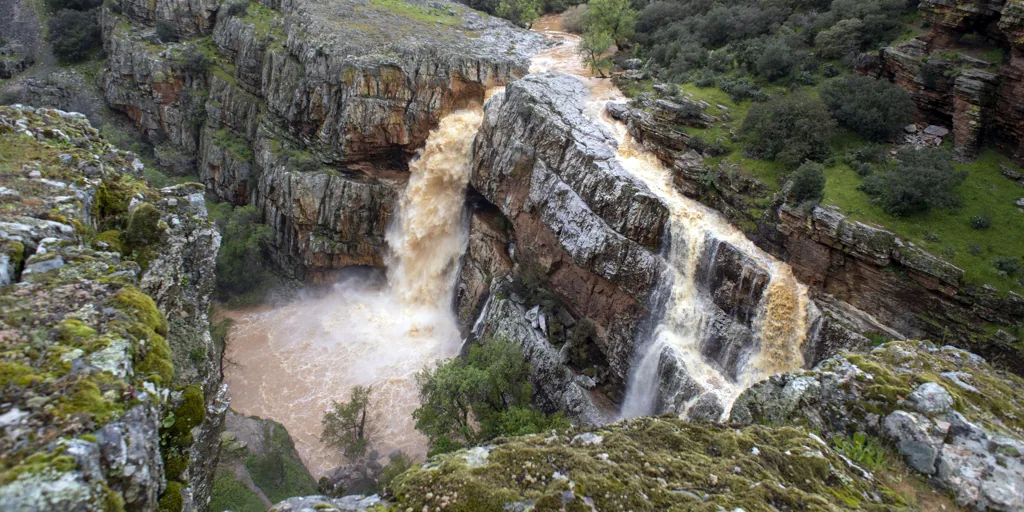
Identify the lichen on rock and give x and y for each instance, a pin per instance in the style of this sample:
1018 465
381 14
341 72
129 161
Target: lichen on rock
88 371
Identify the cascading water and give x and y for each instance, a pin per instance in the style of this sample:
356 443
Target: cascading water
289 363
781 322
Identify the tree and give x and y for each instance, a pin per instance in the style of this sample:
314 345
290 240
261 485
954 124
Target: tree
841 41
808 182
241 262
591 49
919 181
791 129
485 395
521 12
776 60
876 109
345 424
616 18
73 34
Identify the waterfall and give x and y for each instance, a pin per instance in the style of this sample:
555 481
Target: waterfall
428 237
670 373
292 361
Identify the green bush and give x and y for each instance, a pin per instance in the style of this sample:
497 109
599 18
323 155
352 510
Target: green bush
486 395
573 18
863 450
230 494
195 62
808 182
398 463
1008 265
242 264
791 129
918 181
73 35
520 12
876 109
777 60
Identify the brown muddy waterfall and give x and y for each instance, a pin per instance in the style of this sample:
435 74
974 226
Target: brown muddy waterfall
288 363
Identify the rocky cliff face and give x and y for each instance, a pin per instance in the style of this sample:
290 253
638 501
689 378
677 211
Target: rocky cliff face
978 97
577 223
565 252
866 279
112 394
306 109
949 414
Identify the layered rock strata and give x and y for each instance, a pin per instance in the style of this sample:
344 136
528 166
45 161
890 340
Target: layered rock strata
582 240
974 83
889 286
112 395
308 110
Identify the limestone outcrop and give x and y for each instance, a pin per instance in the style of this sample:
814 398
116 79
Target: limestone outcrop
951 84
112 395
866 279
646 464
584 226
305 108
948 413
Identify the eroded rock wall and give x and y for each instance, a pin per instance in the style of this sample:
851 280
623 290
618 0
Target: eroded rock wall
308 110
112 395
865 279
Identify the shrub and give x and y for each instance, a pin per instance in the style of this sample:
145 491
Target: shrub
73 35
777 60
863 450
573 17
166 32
521 12
981 222
398 463
830 70
876 109
195 62
237 9
1008 265
241 262
919 181
486 395
808 182
841 41
790 129
617 18
740 89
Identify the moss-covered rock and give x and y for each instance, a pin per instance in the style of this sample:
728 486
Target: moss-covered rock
88 367
647 464
951 415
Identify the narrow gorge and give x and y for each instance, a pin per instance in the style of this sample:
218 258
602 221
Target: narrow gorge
410 255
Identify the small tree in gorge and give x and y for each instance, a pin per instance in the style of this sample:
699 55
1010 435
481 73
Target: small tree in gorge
345 425
592 48
615 18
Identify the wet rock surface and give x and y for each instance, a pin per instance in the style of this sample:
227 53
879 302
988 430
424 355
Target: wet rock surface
104 337
587 226
948 413
309 110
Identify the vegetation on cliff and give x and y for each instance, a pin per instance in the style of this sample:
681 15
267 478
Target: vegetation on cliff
738 60
486 395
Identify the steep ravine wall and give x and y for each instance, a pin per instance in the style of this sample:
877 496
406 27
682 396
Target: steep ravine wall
864 277
308 110
565 252
110 378
974 84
